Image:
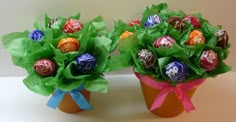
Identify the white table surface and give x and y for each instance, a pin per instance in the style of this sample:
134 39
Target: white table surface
215 101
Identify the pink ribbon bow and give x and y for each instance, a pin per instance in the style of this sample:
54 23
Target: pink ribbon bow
166 88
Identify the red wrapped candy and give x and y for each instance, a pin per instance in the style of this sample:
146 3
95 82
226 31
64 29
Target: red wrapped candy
135 22
194 21
45 67
209 60
195 37
164 41
72 26
68 45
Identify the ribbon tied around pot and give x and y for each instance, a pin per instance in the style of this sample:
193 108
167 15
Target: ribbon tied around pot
166 88
79 99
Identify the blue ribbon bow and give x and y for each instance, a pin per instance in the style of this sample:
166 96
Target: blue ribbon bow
79 99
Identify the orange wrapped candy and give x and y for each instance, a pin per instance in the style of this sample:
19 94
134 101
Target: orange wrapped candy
68 45
125 34
195 37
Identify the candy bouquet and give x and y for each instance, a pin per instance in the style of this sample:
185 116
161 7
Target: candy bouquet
64 58
172 54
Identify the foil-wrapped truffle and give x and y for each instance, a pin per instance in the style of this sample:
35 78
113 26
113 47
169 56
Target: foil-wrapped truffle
176 22
222 38
53 22
146 58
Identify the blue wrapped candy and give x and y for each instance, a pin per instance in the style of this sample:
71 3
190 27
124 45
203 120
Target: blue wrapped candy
152 20
176 71
36 35
86 62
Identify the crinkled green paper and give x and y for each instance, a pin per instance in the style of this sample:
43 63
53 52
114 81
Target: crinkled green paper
143 38
93 39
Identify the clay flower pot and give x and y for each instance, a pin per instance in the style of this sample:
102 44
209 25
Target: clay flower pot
166 100
71 101
171 106
68 105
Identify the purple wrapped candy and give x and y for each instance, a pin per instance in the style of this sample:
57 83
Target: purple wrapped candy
152 20
36 35
176 71
147 58
86 62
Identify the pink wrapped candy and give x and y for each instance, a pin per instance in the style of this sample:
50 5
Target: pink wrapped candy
135 22
194 21
164 41
209 60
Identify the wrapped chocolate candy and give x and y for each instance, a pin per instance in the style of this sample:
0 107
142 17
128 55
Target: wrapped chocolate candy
164 41
135 22
45 67
222 38
52 22
125 34
194 21
195 37
86 62
176 22
36 35
152 20
176 71
68 45
147 58
72 26
209 60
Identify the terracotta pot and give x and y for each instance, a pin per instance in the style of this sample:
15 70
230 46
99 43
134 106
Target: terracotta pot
171 107
68 105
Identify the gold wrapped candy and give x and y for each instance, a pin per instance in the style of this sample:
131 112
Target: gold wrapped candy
195 37
68 45
125 34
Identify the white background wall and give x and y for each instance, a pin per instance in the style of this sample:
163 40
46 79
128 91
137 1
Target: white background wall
19 15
